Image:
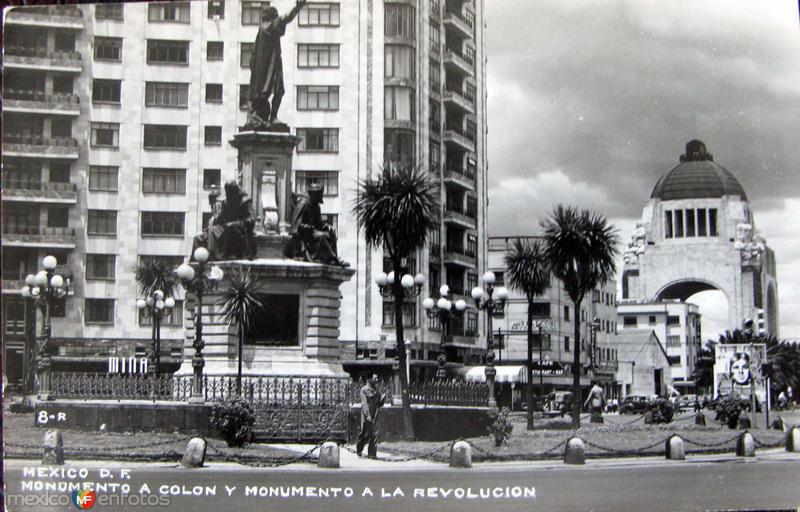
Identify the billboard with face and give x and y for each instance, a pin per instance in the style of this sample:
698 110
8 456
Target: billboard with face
737 367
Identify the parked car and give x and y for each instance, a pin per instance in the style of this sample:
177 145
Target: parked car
558 403
633 404
687 402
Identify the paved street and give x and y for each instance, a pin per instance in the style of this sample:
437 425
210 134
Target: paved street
701 483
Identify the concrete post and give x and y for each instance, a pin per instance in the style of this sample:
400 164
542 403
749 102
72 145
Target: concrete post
53 448
461 455
195 453
673 448
574 453
745 445
700 419
793 440
328 455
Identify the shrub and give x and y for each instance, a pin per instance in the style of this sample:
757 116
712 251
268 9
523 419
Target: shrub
659 411
500 428
20 408
234 419
728 410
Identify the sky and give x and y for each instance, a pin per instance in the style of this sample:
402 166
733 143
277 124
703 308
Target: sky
590 102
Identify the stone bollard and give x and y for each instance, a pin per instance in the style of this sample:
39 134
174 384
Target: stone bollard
195 453
700 419
53 448
745 445
673 448
461 455
328 455
778 424
574 453
744 423
793 440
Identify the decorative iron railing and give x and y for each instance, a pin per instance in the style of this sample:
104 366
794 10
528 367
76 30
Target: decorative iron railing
452 393
109 386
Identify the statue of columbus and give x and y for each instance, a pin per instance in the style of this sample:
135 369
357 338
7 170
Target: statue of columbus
266 69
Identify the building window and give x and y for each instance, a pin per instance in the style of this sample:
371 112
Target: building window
216 9
211 178
651 319
251 12
399 21
328 179
163 181
690 225
245 54
398 103
318 140
331 219
702 222
434 156
435 79
566 344
168 11
61 127
106 91
566 313
472 280
108 48
105 135
164 136
57 217
435 37
244 96
678 223
471 324
109 11
629 321
317 55
409 314
317 97
399 62
213 93
103 178
213 136
673 341
100 267
541 309
673 320
319 15
668 229
167 52
398 146
215 50
712 222
99 311
674 360
162 224
173 319
434 278
166 94
102 222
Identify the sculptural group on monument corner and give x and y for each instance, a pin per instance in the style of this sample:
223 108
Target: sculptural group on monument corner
312 238
266 70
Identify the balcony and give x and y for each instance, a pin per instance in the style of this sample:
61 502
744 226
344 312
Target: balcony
458 137
21 235
39 102
62 16
39 146
459 256
459 216
37 57
39 191
459 25
14 280
460 101
464 177
458 62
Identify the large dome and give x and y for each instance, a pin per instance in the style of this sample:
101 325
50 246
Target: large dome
697 176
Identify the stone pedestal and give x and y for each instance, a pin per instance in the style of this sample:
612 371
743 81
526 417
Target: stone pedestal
315 349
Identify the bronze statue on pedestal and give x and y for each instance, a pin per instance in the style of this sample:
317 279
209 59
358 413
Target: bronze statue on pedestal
229 235
312 238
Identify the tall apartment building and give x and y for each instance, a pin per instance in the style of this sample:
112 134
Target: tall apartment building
555 313
117 120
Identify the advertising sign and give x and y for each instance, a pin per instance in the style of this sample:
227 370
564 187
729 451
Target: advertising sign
737 368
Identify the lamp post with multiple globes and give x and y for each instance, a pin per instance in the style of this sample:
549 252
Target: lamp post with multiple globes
199 282
445 310
493 301
45 288
156 307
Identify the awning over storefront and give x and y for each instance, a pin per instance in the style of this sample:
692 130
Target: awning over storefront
504 374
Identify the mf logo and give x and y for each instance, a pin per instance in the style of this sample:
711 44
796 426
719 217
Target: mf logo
83 499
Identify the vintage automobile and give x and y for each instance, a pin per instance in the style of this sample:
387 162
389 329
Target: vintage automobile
633 404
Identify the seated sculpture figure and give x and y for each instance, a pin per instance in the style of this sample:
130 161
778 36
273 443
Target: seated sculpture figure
312 238
229 235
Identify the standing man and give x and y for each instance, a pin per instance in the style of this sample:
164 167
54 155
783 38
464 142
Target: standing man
371 402
598 400
266 68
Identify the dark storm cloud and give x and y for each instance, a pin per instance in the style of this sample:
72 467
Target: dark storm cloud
591 102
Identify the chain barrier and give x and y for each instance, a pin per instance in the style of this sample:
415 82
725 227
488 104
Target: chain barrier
709 445
256 461
625 451
424 455
776 444
111 449
631 422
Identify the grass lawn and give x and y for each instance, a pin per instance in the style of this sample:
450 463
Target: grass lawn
22 440
602 440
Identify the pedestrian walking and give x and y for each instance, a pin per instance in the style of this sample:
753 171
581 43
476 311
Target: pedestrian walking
371 402
598 400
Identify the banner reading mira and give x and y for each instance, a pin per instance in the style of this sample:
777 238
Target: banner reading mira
737 367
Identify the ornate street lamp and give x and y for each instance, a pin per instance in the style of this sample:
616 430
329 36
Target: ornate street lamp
45 288
493 301
199 283
540 326
593 326
445 310
156 307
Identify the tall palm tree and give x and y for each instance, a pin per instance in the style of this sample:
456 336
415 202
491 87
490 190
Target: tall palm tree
153 274
240 303
396 211
528 272
581 247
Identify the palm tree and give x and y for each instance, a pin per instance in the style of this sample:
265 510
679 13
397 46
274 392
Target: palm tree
396 211
528 272
703 373
580 247
240 303
735 336
153 274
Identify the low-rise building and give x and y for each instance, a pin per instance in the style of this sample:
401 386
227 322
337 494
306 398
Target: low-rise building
644 368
